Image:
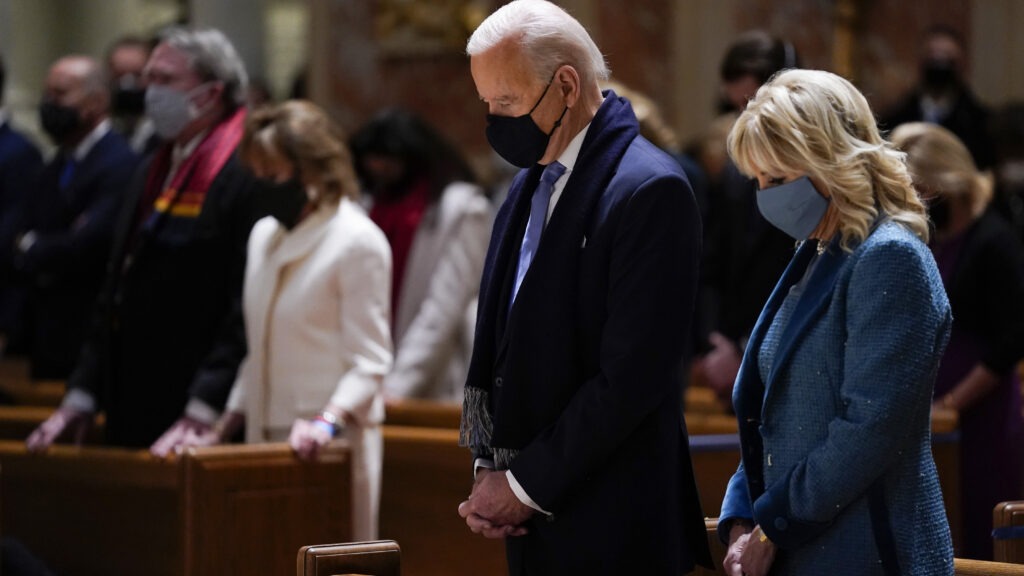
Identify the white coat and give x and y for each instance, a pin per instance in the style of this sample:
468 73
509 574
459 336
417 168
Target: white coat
437 302
316 303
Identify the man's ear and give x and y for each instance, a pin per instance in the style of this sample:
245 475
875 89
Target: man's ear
213 96
568 84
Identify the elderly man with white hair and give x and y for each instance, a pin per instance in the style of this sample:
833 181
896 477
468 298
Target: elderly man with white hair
167 337
573 410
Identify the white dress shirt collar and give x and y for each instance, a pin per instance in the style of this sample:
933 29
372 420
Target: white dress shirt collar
90 140
567 159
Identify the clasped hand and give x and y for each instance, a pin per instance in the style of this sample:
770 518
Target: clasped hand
748 554
492 509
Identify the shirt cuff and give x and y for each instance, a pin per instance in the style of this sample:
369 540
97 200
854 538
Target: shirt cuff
517 489
27 240
201 412
79 400
482 463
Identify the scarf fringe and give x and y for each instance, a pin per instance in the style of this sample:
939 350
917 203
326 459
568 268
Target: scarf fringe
503 457
477 426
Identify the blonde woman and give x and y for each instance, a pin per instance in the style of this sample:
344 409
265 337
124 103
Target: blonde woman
316 306
982 265
834 393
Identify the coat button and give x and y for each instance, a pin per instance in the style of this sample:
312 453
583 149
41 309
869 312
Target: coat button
769 460
498 382
781 524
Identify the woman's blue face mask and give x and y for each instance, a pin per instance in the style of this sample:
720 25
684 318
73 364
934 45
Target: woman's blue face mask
795 207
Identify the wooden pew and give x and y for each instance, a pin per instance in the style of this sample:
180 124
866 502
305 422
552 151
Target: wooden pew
1008 532
423 413
211 511
426 475
965 567
16 387
17 422
380 558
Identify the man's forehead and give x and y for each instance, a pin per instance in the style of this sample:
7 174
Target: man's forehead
65 76
168 59
502 72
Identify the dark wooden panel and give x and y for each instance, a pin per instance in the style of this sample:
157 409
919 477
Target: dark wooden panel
426 476
249 508
92 511
1008 522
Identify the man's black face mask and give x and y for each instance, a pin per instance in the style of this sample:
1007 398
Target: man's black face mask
518 139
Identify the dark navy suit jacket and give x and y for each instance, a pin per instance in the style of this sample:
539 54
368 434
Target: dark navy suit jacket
581 373
74 226
20 163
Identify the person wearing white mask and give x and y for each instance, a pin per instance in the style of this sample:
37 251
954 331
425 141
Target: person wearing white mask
168 335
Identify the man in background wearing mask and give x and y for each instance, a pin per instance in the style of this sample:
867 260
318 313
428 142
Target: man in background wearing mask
168 336
126 59
573 409
67 226
943 96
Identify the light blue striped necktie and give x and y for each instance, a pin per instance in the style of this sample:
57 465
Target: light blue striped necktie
535 225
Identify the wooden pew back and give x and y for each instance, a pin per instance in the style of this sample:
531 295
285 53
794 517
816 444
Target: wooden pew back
212 511
379 558
965 567
1008 533
426 475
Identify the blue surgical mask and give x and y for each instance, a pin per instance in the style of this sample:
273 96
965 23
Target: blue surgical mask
795 207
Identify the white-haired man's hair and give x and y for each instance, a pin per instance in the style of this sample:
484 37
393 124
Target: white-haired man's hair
548 36
213 57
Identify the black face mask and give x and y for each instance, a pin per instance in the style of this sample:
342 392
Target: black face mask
939 75
58 121
938 211
282 200
129 102
518 139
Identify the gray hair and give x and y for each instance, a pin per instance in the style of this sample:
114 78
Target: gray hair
548 36
213 57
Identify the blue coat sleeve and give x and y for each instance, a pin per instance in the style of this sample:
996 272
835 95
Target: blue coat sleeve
736 504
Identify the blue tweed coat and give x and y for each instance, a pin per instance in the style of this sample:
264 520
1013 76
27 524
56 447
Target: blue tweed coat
836 446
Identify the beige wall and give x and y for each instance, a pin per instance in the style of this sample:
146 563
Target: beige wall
997 51
37 32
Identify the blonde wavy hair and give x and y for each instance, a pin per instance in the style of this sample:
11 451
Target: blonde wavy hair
816 123
302 133
941 165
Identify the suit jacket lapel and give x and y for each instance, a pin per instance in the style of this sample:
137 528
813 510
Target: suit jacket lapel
300 241
749 371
